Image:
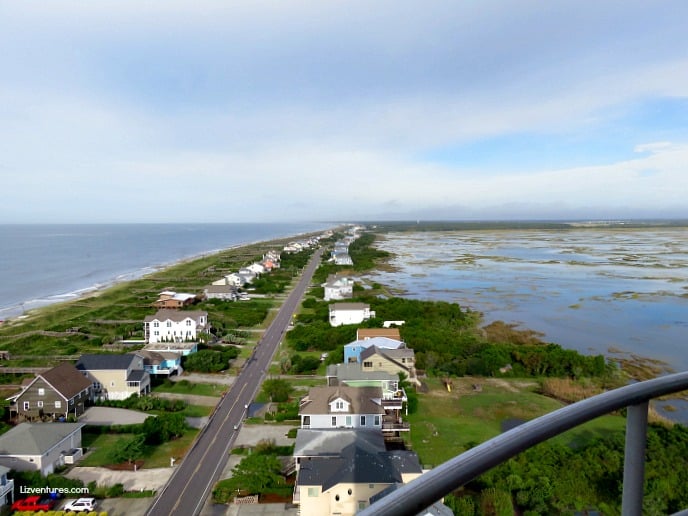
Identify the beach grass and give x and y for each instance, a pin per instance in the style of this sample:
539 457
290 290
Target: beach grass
93 322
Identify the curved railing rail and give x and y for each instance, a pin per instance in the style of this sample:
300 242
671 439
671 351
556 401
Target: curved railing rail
422 492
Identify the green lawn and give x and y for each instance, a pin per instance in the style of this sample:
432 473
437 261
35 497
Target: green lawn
159 457
447 424
100 447
186 387
197 411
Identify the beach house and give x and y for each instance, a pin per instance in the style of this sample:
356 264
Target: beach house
175 325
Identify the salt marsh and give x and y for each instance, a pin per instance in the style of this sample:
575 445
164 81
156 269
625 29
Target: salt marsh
598 290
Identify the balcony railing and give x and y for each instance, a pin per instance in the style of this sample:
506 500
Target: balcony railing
422 492
395 426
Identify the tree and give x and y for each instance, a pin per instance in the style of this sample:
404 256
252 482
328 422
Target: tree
256 473
128 449
163 428
277 390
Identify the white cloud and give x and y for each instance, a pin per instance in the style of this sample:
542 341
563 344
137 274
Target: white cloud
325 107
652 147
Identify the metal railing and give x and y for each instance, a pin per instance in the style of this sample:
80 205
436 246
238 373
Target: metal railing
422 492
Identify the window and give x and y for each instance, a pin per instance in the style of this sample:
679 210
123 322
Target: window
40 404
334 420
348 420
169 324
367 364
306 420
188 322
58 404
377 421
361 505
156 333
156 324
362 420
41 392
313 492
27 405
339 405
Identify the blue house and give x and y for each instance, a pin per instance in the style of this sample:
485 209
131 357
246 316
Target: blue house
353 350
161 362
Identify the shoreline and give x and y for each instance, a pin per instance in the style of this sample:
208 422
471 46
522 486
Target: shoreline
12 314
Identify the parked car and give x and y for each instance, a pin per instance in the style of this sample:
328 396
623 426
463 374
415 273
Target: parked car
81 505
34 503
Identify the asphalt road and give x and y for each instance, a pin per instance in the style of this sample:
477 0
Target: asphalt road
190 485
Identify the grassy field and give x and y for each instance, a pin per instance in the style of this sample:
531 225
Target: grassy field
448 423
100 447
186 387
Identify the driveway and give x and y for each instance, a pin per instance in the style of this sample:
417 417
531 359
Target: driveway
112 416
143 479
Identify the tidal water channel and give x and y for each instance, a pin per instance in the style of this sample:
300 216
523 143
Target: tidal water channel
618 292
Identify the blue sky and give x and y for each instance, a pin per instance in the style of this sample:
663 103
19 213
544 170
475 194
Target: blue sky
220 111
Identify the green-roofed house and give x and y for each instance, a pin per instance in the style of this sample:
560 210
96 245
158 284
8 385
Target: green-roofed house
40 446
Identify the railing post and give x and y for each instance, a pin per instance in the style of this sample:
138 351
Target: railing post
634 460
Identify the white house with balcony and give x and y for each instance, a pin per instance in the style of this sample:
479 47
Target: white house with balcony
175 326
349 313
338 288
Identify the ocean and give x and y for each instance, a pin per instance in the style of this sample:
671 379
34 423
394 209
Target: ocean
42 264
617 292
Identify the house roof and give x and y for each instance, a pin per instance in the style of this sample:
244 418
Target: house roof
35 438
380 342
357 465
137 375
353 371
342 307
66 379
391 354
220 289
151 357
177 296
367 333
169 346
175 315
104 362
363 400
329 442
